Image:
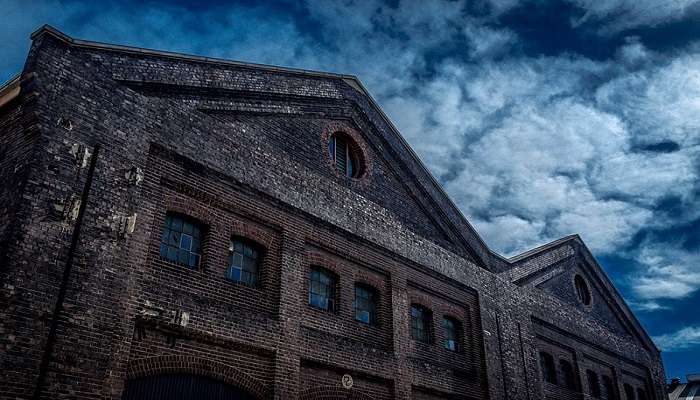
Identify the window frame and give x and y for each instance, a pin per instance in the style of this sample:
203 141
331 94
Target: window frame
331 297
568 374
548 367
351 165
372 300
583 291
175 223
457 339
256 249
593 381
426 320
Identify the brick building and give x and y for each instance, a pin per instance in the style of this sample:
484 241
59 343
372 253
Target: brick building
177 227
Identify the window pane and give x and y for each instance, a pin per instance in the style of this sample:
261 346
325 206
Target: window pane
176 224
172 253
174 238
165 236
194 260
186 242
164 251
187 228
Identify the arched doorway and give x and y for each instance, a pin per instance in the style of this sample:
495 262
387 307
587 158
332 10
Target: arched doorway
189 378
181 387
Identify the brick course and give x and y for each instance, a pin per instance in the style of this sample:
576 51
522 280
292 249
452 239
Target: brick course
243 150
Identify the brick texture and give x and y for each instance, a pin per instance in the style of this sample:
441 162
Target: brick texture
243 150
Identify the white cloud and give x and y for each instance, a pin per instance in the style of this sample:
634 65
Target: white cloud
618 15
683 339
670 272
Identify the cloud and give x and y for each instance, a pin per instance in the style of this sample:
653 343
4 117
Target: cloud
669 272
683 339
619 15
530 148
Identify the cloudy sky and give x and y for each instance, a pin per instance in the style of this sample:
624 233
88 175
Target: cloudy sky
540 118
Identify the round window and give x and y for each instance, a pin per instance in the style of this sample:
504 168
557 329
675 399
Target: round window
584 295
345 154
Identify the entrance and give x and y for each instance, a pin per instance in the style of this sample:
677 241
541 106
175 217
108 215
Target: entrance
181 387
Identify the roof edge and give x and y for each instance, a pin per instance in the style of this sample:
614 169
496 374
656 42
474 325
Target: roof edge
50 30
543 248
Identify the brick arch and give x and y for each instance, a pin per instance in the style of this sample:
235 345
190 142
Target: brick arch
172 364
193 209
252 232
332 393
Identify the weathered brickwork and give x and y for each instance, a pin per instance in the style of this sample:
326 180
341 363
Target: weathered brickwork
102 144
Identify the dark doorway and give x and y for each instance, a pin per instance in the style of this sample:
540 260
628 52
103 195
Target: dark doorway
181 387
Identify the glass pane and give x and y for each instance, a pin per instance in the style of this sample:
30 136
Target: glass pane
237 260
331 148
247 251
186 242
234 274
172 253
194 260
168 221
238 247
177 224
187 228
164 250
362 316
165 236
183 257
249 265
350 167
196 245
196 231
174 239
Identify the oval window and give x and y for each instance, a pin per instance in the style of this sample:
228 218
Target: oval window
345 155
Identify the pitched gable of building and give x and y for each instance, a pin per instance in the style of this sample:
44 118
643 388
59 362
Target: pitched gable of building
566 269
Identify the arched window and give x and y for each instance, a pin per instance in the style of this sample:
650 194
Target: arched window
609 388
568 374
244 261
181 240
365 304
641 394
452 330
344 154
549 372
421 321
593 384
582 292
322 289
629 391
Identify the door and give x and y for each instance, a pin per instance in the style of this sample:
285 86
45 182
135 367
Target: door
181 387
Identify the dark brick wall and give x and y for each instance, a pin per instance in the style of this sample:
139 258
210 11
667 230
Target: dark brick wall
127 313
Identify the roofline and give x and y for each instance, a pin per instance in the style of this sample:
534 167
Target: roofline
48 29
540 249
351 79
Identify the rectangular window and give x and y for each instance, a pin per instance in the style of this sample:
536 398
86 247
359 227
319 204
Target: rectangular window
365 304
420 323
181 241
451 330
322 285
244 262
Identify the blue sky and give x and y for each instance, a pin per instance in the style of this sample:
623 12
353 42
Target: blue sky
540 118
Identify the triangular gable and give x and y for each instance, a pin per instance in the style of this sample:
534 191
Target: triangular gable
554 268
420 184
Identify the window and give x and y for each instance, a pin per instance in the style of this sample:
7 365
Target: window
549 372
609 388
365 304
451 329
567 372
322 284
181 241
584 295
593 384
420 323
629 392
641 394
244 262
344 155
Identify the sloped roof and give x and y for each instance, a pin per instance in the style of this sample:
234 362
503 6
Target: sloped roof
687 391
